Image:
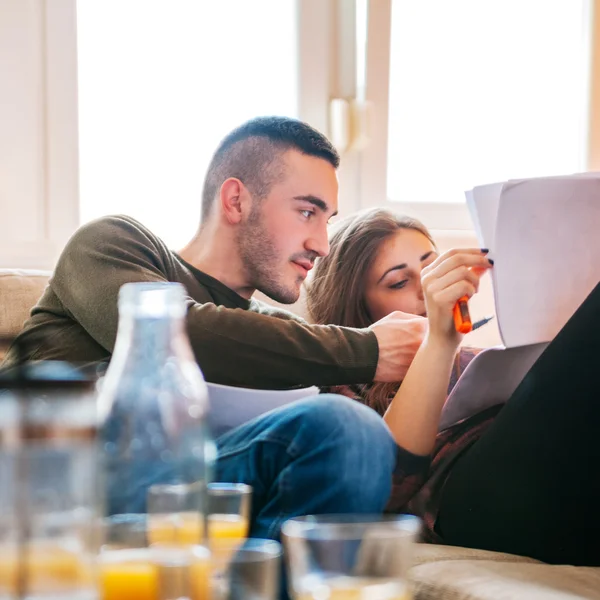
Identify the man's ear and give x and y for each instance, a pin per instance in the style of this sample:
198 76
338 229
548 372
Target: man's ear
231 197
236 200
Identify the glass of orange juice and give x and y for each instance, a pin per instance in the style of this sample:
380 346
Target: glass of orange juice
127 573
162 572
349 557
176 515
229 507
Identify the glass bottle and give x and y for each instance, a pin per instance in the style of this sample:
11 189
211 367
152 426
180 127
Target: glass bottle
153 403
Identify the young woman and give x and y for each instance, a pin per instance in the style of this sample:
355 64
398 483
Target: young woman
520 478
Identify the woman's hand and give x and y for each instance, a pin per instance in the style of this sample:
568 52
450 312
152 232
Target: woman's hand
451 276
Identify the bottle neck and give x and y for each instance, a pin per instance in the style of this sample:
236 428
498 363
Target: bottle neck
151 339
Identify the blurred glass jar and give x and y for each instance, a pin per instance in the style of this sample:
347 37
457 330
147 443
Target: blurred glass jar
152 403
48 500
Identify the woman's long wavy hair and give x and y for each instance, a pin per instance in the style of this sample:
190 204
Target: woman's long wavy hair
336 292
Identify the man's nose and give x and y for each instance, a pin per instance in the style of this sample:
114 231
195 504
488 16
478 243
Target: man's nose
318 243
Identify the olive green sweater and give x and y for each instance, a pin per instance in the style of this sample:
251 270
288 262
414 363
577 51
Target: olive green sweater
236 341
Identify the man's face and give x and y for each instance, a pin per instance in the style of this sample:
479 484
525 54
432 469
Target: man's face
286 231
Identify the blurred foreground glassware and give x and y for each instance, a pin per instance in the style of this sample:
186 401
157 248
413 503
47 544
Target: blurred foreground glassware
229 506
153 402
48 499
349 557
249 570
167 572
156 573
175 512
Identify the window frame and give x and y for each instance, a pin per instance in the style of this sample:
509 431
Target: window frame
49 74
438 216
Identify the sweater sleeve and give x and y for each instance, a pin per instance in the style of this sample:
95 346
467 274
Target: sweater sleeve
232 346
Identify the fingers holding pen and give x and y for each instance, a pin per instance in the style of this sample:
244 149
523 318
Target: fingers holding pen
457 257
452 276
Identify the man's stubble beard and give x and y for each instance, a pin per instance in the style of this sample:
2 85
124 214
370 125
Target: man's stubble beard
262 262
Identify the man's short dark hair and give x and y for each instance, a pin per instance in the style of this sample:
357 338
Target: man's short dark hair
253 154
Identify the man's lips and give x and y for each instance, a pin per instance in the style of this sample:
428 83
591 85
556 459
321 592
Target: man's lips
304 266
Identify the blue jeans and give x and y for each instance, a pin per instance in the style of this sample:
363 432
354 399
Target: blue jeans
322 455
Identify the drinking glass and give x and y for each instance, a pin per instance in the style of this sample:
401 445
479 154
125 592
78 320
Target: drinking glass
122 532
176 516
162 572
49 499
167 572
229 510
349 557
246 570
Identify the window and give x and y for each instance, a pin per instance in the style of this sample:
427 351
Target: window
160 83
480 92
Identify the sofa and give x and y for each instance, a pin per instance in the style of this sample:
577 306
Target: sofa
439 572
19 291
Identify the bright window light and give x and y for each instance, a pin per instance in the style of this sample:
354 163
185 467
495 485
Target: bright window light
160 83
483 91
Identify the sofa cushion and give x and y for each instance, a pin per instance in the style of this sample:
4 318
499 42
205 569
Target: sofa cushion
19 291
427 553
497 580
455 573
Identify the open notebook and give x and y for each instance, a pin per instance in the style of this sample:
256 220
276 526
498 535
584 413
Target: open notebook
544 237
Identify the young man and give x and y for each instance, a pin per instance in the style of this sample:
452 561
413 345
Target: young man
269 193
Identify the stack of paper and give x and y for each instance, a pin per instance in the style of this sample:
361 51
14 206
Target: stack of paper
544 237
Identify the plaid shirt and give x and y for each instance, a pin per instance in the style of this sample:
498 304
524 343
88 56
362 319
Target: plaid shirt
418 481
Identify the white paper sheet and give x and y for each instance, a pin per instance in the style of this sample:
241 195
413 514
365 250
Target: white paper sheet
483 202
544 236
233 406
547 255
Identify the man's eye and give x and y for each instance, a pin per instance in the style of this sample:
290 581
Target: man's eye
307 213
399 285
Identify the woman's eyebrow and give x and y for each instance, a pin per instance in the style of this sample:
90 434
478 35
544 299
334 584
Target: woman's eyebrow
396 268
404 265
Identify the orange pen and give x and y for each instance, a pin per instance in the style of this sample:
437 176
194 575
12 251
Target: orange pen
462 318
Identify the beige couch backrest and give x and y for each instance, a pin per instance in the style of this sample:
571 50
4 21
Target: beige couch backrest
19 291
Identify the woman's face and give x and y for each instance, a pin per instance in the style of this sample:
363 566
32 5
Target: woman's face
394 279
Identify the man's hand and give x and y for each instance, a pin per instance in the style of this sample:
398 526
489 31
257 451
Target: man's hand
399 336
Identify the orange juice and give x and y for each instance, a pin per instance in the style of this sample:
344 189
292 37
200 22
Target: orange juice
153 573
188 528
128 579
50 567
200 574
177 528
227 526
355 588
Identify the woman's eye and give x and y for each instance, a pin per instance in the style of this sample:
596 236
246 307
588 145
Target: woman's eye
399 285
